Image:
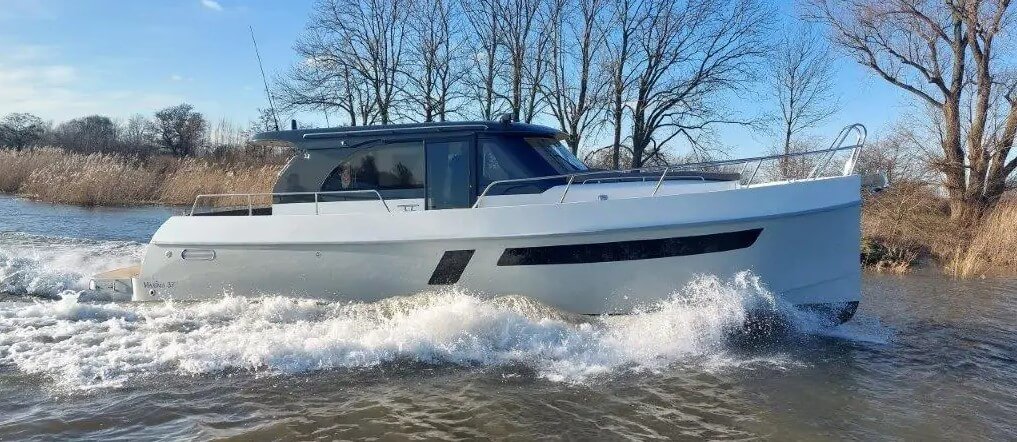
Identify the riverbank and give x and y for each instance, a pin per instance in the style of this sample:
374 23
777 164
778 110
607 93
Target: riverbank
108 179
908 226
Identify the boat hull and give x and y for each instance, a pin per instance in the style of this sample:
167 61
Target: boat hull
591 258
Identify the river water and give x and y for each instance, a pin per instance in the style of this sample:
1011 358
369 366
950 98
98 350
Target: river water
926 357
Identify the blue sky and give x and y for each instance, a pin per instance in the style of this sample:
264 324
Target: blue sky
62 59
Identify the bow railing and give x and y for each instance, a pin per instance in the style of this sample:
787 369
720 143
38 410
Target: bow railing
669 173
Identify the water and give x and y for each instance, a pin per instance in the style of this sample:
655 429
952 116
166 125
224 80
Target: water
925 358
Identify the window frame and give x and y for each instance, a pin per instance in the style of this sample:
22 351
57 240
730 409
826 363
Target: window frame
388 194
527 187
472 147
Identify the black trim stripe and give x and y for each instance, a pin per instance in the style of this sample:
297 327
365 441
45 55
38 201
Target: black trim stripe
451 266
629 250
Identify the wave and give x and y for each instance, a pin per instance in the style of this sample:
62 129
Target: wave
86 345
45 266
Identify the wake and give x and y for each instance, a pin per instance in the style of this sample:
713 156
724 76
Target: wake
87 345
46 267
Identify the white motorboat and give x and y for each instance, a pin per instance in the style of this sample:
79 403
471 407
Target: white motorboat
500 208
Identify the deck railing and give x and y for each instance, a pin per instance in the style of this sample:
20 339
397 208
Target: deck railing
825 157
250 198
666 173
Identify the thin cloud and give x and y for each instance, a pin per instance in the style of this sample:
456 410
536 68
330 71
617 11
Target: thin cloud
211 4
33 83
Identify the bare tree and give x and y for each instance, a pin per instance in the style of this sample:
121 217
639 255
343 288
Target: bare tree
94 133
520 36
626 19
802 83
137 134
689 54
943 53
575 89
223 136
349 43
264 122
899 155
325 84
180 129
19 130
482 16
435 70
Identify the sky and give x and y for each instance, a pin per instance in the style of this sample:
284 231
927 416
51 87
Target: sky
61 59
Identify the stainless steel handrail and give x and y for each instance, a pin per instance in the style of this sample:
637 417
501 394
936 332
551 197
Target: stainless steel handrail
838 141
836 146
250 198
640 179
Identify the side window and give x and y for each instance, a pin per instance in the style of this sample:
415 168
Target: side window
497 163
508 158
448 174
395 170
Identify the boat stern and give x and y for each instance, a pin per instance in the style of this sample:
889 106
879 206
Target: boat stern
119 284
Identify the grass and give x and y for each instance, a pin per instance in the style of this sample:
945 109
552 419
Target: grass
109 179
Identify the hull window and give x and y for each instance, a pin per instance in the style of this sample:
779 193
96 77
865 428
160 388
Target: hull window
629 250
451 266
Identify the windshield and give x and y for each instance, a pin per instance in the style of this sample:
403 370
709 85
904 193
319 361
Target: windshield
559 156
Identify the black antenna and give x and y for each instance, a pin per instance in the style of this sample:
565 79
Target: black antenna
268 94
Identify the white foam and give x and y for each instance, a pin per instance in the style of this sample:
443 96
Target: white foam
87 345
861 329
47 266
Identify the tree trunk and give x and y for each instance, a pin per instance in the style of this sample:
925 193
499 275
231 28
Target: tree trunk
785 167
954 172
615 160
573 143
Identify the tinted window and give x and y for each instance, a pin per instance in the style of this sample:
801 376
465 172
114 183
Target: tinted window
508 158
448 175
395 169
557 154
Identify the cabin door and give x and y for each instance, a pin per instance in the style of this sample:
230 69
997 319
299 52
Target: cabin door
449 175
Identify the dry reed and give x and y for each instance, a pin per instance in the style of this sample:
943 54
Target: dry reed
909 222
194 177
98 179
903 224
15 166
993 246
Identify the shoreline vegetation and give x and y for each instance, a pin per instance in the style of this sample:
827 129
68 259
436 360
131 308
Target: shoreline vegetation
904 227
908 226
56 175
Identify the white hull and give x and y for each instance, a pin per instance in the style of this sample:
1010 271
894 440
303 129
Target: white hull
806 251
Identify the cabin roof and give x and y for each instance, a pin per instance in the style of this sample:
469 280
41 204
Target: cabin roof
306 136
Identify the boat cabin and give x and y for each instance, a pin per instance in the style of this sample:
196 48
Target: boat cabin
427 166
412 167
